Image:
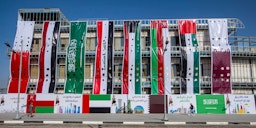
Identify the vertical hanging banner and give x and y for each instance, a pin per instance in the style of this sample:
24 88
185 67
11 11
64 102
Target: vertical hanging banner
22 45
104 58
221 56
56 32
75 58
47 57
131 74
160 57
190 57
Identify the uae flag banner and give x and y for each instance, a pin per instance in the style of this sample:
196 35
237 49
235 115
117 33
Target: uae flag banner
75 58
47 57
160 57
103 74
221 56
21 57
190 57
131 74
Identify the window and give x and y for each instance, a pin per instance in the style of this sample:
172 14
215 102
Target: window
90 44
118 43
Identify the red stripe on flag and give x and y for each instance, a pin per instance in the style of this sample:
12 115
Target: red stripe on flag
187 26
44 103
15 62
85 102
97 76
160 58
25 71
41 60
125 60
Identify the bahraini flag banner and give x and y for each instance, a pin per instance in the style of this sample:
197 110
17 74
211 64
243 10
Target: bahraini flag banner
21 48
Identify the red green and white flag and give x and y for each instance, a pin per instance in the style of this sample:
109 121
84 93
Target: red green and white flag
190 57
160 57
22 45
104 58
131 70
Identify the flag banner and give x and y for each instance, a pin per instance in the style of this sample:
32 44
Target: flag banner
100 103
56 32
75 58
103 73
221 56
180 103
46 58
131 74
160 57
190 57
22 45
210 104
43 103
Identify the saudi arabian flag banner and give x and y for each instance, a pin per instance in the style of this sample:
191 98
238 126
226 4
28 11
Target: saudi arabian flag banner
131 77
190 57
160 57
75 58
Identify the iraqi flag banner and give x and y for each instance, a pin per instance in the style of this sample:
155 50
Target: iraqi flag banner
131 74
75 58
160 57
47 57
221 56
190 57
103 74
22 45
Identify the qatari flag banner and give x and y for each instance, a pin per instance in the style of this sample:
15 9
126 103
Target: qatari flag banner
190 57
47 57
131 70
75 58
221 56
22 45
160 57
103 73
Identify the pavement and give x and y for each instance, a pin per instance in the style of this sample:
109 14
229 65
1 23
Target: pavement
130 119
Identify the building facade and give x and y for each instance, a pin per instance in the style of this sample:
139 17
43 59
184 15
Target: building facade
243 51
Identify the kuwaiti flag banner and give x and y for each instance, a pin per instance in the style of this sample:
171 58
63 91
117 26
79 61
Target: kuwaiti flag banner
75 58
103 73
131 74
22 45
160 57
47 57
221 56
190 57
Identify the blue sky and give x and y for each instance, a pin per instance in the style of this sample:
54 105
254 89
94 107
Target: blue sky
125 9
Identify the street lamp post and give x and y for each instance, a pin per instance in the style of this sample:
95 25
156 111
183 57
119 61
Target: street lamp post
165 118
20 66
